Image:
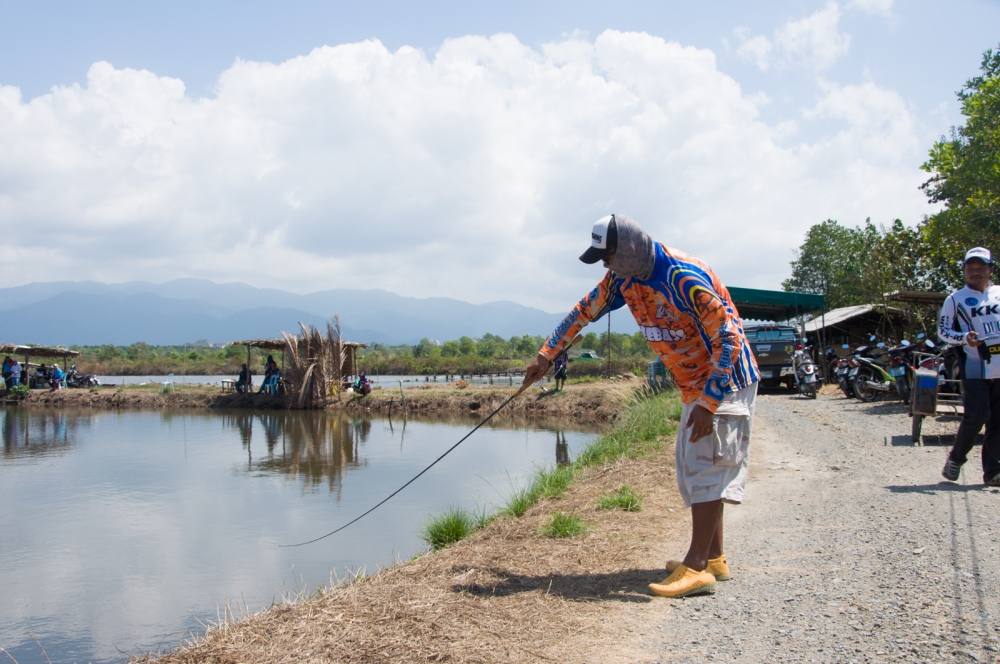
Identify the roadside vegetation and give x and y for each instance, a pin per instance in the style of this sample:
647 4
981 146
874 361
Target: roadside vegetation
464 356
648 421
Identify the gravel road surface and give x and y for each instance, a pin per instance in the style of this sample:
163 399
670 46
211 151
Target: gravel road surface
851 547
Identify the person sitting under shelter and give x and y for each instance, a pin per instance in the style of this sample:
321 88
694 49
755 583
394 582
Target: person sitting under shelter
56 377
272 377
244 382
362 385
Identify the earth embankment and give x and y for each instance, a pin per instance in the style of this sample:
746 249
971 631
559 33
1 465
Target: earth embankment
850 548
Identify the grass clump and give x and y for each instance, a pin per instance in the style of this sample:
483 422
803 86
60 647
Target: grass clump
564 525
643 426
644 423
454 525
519 503
622 499
553 483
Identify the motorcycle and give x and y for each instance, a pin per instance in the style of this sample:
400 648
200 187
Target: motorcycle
76 379
806 376
869 378
901 368
841 371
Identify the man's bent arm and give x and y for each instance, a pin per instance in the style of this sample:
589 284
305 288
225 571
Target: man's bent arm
605 297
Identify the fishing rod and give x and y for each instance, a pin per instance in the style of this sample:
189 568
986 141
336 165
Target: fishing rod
414 478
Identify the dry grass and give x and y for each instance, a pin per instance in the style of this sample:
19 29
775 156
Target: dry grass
505 594
599 401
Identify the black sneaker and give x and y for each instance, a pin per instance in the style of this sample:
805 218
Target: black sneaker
994 481
951 470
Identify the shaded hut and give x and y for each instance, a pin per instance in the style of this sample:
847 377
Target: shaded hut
313 364
28 352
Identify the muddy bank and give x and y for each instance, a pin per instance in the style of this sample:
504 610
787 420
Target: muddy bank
593 403
148 397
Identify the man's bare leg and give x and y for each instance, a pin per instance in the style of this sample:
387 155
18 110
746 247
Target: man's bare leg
716 549
706 528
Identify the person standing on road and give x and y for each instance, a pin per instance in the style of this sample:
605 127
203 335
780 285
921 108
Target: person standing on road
689 320
561 366
970 318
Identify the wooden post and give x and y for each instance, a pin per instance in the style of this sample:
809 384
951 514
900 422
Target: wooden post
249 376
608 371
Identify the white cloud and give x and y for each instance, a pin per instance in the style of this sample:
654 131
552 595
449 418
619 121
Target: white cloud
473 173
813 42
878 7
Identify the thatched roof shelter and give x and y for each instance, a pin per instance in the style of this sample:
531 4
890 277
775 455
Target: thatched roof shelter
347 353
266 344
27 352
37 351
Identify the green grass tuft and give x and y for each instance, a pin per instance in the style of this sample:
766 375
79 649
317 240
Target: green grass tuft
644 425
564 525
647 421
553 483
622 499
452 526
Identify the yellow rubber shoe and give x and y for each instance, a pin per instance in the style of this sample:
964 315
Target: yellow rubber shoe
717 567
684 582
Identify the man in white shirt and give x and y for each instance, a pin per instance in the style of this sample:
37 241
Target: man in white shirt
970 318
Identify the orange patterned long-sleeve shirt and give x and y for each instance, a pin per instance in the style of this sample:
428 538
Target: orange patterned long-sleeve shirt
688 318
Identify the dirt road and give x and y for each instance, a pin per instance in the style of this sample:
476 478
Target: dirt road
851 548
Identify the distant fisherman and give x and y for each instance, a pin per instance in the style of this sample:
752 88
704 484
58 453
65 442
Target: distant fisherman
970 318
690 321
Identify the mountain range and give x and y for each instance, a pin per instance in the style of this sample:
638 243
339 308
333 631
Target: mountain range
189 310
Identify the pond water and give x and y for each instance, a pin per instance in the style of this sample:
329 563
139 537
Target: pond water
123 532
387 381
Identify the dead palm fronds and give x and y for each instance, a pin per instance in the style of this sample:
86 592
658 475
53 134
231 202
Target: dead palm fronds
315 365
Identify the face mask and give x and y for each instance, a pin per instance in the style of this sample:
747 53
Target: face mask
634 255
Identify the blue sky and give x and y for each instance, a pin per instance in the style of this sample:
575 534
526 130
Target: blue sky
789 89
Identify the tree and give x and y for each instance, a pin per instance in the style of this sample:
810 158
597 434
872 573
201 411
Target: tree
827 263
965 174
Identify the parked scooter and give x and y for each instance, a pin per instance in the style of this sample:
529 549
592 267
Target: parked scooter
806 376
76 379
903 364
867 374
841 371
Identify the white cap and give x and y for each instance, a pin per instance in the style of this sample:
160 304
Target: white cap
978 254
603 237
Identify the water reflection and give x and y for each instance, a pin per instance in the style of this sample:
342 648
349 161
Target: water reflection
132 527
562 449
319 447
27 433
313 446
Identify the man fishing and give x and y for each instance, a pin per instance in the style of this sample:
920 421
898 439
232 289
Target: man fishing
690 321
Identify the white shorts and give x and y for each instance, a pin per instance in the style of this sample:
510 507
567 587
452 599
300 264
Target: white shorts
715 467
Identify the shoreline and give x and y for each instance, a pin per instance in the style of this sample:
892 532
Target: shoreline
595 402
505 593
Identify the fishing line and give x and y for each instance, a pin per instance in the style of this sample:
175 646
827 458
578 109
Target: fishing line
412 479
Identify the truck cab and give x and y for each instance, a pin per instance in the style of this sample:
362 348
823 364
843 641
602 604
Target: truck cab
773 346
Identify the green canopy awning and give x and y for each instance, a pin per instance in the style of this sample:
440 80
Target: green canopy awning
757 304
